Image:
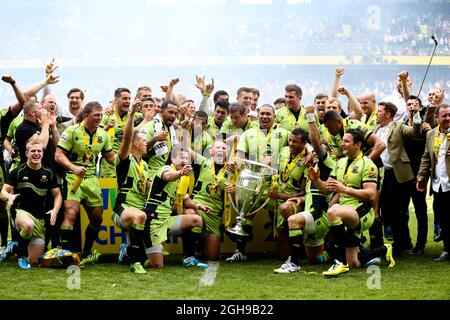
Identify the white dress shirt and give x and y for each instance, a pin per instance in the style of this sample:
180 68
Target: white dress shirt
397 99
441 176
382 133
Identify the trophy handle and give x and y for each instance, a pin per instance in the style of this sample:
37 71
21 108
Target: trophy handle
262 206
232 203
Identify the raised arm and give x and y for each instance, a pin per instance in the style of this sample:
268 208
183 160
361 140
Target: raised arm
357 111
205 90
21 98
169 93
314 134
125 147
403 76
337 78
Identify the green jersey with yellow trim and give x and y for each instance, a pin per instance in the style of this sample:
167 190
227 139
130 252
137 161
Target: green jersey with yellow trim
116 133
132 178
13 126
258 144
291 171
201 142
288 120
228 128
162 194
371 121
354 173
315 201
212 128
209 185
6 117
159 154
11 133
335 142
78 142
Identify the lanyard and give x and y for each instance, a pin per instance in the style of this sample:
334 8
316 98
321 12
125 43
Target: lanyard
347 170
291 165
89 150
437 144
184 184
120 123
262 147
213 187
297 122
169 137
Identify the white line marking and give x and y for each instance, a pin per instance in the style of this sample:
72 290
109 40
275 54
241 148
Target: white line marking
209 276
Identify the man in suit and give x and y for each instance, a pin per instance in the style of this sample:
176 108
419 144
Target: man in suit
436 164
398 174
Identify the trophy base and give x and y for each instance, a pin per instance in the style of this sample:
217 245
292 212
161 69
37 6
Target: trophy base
238 230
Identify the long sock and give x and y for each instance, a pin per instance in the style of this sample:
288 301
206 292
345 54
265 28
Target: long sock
366 255
295 244
23 243
189 239
376 234
67 237
136 242
337 231
91 234
147 240
51 233
322 259
4 225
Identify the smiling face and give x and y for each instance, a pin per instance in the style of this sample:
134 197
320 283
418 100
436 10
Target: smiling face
444 117
296 145
122 102
266 117
169 114
34 153
93 118
349 148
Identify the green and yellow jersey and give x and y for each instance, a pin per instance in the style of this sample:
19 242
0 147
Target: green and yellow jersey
132 178
291 171
335 142
212 128
286 119
159 154
83 148
371 121
209 184
162 194
257 144
354 173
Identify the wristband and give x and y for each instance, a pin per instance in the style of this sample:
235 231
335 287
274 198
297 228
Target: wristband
310 117
13 82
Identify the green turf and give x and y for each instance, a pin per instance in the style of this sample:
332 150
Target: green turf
412 278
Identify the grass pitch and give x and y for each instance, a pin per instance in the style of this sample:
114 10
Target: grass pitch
413 278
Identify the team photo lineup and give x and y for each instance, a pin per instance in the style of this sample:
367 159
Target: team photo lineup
274 136
325 175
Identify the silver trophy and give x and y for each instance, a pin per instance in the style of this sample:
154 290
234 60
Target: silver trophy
250 185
